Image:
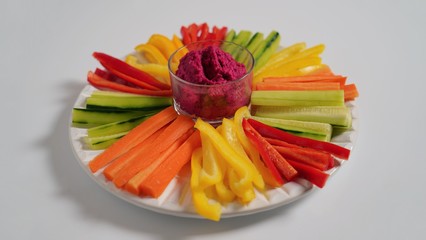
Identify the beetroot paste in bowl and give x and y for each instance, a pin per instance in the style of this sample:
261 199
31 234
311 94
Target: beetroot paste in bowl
208 82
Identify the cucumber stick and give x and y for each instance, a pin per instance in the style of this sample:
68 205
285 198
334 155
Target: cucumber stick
87 118
103 142
125 101
315 130
334 115
115 127
265 49
298 98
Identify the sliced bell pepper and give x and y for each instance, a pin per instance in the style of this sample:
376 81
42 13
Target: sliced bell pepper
162 43
126 72
159 71
204 32
104 84
202 203
237 163
151 53
275 162
251 151
313 175
211 171
271 132
186 39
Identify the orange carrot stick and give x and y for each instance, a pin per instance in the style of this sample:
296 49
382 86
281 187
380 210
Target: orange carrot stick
159 179
298 86
351 92
139 161
308 78
173 153
131 139
142 148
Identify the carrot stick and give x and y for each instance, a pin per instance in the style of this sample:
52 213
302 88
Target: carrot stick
157 177
308 78
298 86
142 148
351 92
131 139
138 161
317 159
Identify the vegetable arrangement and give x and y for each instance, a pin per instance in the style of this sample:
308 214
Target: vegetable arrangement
298 104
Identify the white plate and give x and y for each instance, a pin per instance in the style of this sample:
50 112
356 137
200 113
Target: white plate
171 203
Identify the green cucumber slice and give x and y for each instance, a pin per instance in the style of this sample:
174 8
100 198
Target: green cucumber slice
123 101
115 127
103 142
334 115
87 118
264 52
298 98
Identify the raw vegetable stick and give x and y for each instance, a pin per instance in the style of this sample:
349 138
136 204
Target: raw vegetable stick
135 136
133 184
126 72
351 92
142 148
268 131
105 84
158 180
319 160
307 78
138 161
315 176
298 86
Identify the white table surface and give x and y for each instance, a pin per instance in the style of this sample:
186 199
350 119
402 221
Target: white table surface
45 54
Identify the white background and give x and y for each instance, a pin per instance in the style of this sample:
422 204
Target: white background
45 54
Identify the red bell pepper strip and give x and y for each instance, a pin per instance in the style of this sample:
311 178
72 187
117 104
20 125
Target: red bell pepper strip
221 33
317 159
277 142
104 84
126 72
313 175
272 159
185 35
111 77
271 132
204 32
193 32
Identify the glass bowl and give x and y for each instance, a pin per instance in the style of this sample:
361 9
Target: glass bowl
211 102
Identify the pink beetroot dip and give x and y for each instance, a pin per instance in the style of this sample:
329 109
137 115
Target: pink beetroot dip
217 89
210 66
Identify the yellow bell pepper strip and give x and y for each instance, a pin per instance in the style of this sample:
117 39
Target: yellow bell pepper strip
151 53
202 204
286 68
251 151
211 172
162 43
283 54
178 43
236 162
160 72
224 193
228 131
